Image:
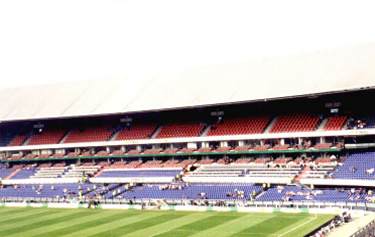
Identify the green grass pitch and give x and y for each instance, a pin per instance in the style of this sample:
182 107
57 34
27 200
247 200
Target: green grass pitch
43 222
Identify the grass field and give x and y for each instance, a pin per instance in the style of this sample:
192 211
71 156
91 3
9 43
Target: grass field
27 222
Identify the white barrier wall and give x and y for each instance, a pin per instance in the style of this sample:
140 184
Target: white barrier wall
41 181
273 180
325 210
341 182
133 180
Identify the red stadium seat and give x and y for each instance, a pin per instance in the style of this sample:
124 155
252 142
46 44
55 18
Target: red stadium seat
47 136
238 126
136 131
18 140
181 130
89 134
335 123
295 123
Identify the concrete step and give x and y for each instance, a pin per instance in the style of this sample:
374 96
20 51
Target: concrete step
13 174
156 132
270 125
205 131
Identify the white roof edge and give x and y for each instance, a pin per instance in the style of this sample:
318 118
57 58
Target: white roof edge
323 72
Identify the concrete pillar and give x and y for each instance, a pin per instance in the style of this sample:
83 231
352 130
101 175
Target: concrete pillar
192 145
205 144
223 144
123 149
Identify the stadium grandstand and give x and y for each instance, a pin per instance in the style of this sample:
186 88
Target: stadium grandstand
305 146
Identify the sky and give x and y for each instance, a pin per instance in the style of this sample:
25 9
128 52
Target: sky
44 41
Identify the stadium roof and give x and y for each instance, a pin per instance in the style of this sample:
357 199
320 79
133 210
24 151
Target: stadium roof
268 78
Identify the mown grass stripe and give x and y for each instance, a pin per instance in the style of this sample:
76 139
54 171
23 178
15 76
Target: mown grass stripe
44 223
14 210
268 227
45 216
197 226
115 223
58 225
129 228
81 226
13 214
4 210
23 216
233 226
167 226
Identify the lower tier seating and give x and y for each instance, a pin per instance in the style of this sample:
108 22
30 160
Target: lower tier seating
191 191
46 191
296 193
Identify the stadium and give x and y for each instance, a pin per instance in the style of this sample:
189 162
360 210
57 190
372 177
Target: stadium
100 162
176 118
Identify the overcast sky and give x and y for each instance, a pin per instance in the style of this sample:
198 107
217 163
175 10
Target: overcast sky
46 40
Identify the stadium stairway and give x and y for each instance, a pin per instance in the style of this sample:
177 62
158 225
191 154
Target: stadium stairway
156 132
205 131
270 125
99 172
14 173
301 174
322 124
65 136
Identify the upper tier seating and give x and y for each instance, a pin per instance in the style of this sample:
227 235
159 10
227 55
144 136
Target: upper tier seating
360 122
335 123
181 130
238 126
18 140
89 134
7 134
47 136
295 123
136 131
